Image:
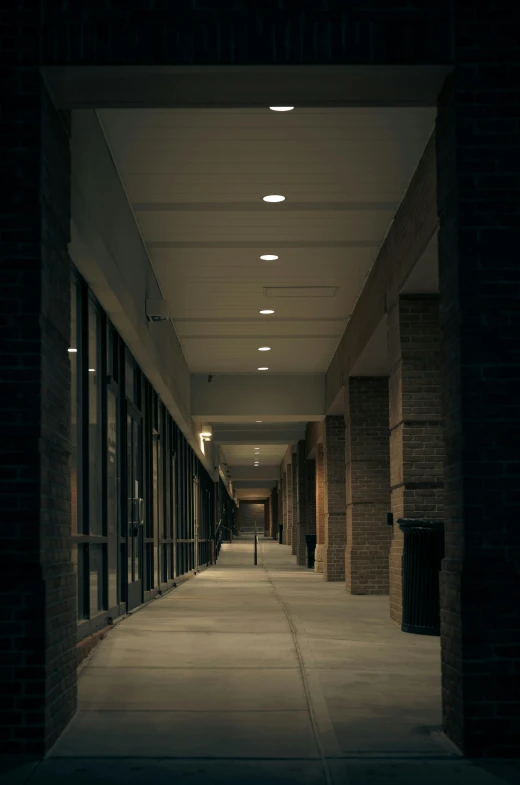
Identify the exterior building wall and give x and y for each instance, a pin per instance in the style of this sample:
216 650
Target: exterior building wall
306 502
249 513
416 423
478 163
334 498
368 486
320 511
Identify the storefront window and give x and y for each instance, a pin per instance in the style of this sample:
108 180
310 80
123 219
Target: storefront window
112 496
95 421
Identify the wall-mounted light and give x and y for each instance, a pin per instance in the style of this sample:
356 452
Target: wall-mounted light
206 431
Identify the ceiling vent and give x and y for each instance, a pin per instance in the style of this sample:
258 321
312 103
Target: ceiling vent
300 291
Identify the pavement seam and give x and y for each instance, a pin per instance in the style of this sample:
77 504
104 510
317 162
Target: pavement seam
306 685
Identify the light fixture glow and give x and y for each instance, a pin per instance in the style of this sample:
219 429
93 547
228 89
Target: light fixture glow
264 349
274 198
92 370
259 421
72 350
266 311
263 369
281 108
269 257
206 431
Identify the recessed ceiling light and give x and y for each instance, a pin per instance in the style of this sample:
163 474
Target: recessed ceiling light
274 198
263 369
92 370
259 420
269 257
267 310
264 349
281 108
72 350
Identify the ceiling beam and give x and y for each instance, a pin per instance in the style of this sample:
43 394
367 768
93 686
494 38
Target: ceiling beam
244 484
258 434
254 473
221 87
250 397
414 225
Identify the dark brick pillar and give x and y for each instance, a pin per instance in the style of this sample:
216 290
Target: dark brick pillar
287 532
267 514
38 588
368 485
283 503
294 504
416 426
320 511
478 160
334 498
306 502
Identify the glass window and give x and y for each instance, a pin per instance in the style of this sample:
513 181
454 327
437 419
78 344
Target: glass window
112 495
73 358
94 420
96 578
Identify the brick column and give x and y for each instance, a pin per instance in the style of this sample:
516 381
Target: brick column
416 427
368 485
287 532
283 503
267 513
294 503
478 166
37 580
334 498
320 511
306 502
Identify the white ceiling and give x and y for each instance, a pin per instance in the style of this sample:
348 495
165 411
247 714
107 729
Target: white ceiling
244 455
195 179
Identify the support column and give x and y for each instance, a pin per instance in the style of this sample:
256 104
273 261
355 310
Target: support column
478 164
37 579
306 505
334 498
287 532
283 500
368 486
267 513
416 427
294 499
320 511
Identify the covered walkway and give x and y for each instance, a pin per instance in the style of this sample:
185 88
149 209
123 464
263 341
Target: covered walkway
261 674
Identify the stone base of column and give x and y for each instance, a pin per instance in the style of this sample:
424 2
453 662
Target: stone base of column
318 559
334 563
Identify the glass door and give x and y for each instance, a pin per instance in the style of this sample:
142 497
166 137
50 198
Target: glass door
135 507
196 521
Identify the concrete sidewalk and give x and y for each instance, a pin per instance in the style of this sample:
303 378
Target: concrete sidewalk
256 675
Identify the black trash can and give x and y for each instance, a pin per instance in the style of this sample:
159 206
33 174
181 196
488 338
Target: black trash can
422 556
310 539
280 534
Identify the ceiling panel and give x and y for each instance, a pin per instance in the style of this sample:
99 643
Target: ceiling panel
244 455
195 179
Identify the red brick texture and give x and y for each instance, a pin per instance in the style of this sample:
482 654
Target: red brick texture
416 424
294 503
478 160
367 486
334 498
320 510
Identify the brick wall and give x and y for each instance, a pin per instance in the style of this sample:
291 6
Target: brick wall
248 513
478 160
320 511
334 498
37 581
416 424
368 486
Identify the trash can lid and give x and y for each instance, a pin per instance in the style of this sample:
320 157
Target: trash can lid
434 524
